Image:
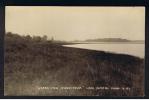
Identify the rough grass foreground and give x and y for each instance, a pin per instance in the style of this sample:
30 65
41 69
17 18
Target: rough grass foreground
49 69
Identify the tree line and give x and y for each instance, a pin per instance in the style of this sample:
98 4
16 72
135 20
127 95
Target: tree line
44 38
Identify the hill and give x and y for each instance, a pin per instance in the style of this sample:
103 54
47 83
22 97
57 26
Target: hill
113 40
33 66
108 40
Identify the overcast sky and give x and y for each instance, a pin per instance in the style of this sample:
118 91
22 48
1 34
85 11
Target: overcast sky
77 23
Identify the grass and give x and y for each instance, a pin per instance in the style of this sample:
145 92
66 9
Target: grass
30 64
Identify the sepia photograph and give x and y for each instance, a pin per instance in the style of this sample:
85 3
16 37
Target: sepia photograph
74 51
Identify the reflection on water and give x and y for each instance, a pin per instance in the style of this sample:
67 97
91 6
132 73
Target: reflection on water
125 48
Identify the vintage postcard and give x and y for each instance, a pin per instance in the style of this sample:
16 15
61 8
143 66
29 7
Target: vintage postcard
74 51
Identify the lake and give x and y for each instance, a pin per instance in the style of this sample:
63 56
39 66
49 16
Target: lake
121 48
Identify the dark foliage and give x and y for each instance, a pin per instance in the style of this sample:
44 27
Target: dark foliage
36 62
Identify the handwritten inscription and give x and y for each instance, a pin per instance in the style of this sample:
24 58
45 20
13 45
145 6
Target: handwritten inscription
87 88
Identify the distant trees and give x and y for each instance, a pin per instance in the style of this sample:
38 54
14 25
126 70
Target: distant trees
37 38
40 39
27 38
44 38
9 34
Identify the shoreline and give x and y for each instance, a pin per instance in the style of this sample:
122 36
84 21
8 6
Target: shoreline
71 43
107 51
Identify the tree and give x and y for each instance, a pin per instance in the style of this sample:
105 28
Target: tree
44 38
37 38
9 34
28 38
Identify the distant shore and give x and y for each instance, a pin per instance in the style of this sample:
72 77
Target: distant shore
69 43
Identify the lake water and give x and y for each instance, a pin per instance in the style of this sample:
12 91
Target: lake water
122 48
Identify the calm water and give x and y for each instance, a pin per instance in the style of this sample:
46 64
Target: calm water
122 48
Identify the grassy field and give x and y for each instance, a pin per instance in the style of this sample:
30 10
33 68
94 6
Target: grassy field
33 66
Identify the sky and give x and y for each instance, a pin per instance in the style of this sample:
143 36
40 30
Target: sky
76 23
